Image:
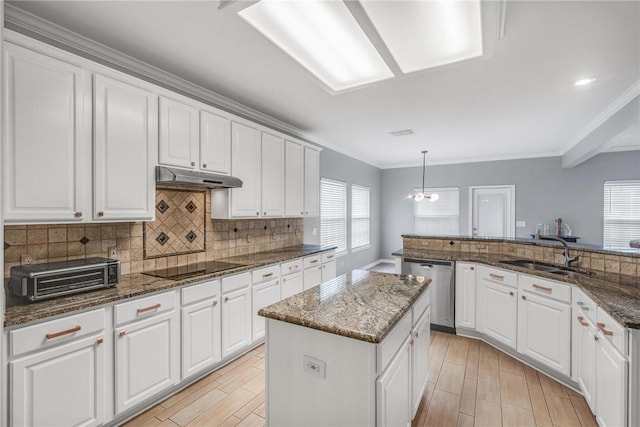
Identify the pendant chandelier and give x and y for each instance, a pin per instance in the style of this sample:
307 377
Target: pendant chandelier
419 196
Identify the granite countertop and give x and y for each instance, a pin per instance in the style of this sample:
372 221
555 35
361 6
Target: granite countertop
19 311
363 305
617 294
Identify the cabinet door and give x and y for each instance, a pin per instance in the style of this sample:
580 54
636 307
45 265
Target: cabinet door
61 386
498 309
291 285
328 271
586 352
47 131
294 179
312 277
420 360
179 134
125 150
201 343
465 296
311 182
245 164
215 143
272 175
611 384
236 320
393 391
544 331
147 359
263 295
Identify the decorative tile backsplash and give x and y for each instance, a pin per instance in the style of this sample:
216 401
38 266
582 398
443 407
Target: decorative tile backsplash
222 238
180 224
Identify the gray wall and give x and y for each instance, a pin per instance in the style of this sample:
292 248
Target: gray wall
544 191
339 167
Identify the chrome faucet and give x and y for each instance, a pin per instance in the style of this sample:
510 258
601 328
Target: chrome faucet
567 259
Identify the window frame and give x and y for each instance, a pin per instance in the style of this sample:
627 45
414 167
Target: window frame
631 221
344 219
366 245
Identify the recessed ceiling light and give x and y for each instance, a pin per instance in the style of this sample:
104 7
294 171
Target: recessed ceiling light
402 132
585 81
426 34
324 37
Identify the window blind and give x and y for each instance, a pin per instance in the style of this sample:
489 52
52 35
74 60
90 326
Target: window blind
621 213
333 214
439 217
360 216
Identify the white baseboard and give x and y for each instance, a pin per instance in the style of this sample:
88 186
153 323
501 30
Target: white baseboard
380 261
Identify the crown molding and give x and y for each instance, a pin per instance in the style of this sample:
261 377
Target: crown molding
33 26
472 160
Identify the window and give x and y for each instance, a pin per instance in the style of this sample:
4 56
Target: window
360 216
621 213
438 217
333 214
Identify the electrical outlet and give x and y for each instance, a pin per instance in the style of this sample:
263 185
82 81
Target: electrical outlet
273 236
314 366
112 252
314 231
26 259
248 238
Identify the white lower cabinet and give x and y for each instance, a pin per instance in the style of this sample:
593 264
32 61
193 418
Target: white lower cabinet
263 294
147 348
420 359
236 313
544 331
312 277
465 295
393 389
498 308
586 351
291 285
610 384
201 343
328 271
60 386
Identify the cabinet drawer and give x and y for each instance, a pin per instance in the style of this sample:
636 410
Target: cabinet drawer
392 342
585 305
265 274
328 256
548 288
143 308
312 261
199 292
497 275
53 332
420 306
232 283
613 331
291 267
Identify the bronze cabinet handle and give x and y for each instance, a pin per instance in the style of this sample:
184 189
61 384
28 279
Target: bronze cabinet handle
595 338
496 276
99 341
100 214
524 297
204 165
542 288
313 261
78 214
65 332
264 276
226 299
193 163
582 322
603 330
215 302
145 309
511 293
122 333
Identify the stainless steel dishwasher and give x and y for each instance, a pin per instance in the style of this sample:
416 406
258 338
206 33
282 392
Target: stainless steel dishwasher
442 289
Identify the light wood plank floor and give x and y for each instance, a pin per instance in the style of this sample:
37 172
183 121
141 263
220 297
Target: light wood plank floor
471 383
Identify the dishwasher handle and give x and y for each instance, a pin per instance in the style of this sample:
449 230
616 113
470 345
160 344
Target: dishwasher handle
428 263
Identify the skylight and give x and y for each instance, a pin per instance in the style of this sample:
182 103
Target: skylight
426 34
324 37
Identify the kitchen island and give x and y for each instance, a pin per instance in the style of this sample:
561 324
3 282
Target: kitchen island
352 351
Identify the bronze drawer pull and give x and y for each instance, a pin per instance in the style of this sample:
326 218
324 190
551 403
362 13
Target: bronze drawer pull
65 332
151 307
215 302
595 338
603 330
511 293
78 214
313 261
264 276
524 297
496 276
582 322
329 256
542 288
226 299
99 341
122 333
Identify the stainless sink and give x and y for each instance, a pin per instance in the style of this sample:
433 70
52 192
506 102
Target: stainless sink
548 268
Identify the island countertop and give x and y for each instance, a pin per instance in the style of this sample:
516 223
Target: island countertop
363 305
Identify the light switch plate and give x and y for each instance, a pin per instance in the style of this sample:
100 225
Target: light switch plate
521 224
314 366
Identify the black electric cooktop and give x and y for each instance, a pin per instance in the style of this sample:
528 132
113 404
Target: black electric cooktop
192 270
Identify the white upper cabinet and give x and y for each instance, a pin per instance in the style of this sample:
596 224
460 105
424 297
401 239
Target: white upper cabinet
125 150
272 175
215 143
294 179
47 133
245 165
311 182
179 134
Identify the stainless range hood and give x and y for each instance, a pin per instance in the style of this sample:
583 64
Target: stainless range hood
186 178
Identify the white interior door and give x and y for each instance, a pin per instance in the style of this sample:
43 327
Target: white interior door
492 211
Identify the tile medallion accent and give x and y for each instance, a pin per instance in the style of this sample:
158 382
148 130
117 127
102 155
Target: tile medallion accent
180 223
84 240
6 246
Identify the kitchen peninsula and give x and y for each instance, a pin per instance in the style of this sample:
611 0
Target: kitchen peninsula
352 351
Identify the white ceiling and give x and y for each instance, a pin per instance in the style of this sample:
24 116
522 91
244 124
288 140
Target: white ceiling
519 103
